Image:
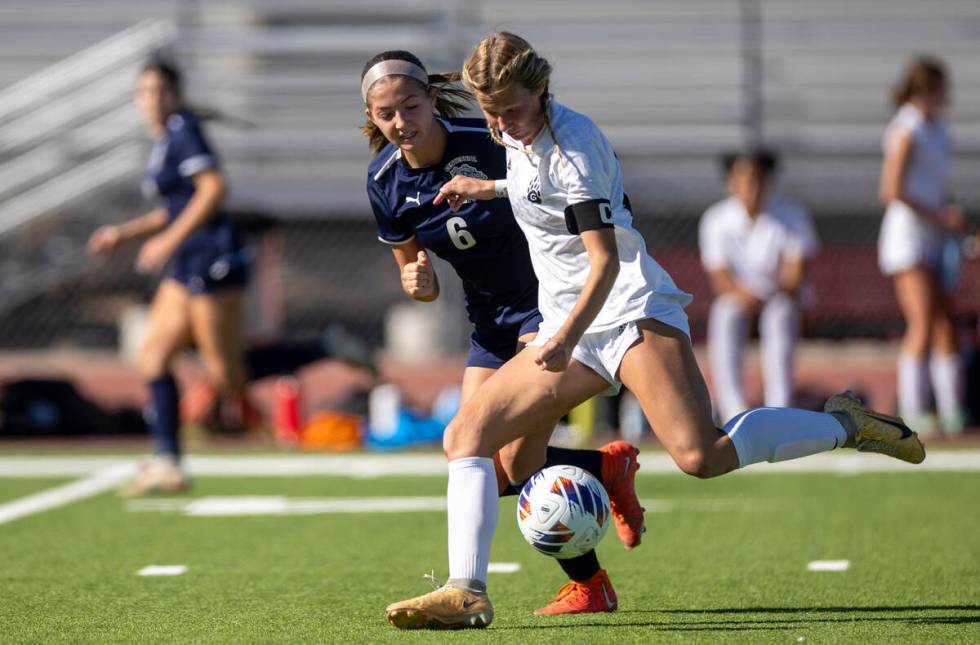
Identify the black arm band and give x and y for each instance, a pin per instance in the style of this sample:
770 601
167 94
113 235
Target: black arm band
588 216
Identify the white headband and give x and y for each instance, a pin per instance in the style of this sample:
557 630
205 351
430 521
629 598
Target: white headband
389 67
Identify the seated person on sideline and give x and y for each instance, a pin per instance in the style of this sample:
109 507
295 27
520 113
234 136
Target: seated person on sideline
754 247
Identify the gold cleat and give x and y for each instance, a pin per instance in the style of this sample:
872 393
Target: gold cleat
445 608
877 432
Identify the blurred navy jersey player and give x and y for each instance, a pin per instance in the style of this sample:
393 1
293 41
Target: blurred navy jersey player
204 266
212 256
419 145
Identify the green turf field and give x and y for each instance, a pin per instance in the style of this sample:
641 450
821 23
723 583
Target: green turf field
723 561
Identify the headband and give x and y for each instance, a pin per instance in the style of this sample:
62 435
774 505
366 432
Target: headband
389 67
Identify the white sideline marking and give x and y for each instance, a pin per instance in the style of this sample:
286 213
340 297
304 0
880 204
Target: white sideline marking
99 482
369 466
503 567
162 570
829 565
279 505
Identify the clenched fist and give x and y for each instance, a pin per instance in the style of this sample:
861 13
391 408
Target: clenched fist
419 279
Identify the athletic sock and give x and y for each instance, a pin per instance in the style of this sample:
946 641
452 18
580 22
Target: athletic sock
588 460
581 568
946 383
779 434
472 509
164 422
912 387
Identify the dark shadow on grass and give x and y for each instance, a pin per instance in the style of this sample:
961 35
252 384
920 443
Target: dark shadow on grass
801 610
737 624
659 626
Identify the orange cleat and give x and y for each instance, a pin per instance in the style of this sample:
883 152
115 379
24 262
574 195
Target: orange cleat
619 466
594 595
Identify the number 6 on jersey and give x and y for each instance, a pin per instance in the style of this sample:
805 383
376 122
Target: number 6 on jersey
462 239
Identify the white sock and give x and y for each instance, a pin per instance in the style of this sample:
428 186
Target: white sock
472 505
912 386
946 383
778 434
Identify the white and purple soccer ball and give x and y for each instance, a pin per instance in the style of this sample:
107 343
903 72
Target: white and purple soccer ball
563 511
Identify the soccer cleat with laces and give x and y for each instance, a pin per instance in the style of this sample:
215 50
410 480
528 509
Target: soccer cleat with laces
445 608
619 466
876 432
594 595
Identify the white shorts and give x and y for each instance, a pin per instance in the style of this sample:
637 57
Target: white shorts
603 351
907 240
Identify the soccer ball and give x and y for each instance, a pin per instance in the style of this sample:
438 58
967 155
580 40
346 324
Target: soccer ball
563 511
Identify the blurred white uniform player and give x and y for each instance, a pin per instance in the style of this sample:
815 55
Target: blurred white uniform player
754 247
919 219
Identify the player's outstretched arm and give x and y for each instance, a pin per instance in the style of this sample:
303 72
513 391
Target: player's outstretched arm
461 188
106 239
418 276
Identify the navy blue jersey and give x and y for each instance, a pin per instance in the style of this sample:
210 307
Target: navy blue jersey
481 241
174 160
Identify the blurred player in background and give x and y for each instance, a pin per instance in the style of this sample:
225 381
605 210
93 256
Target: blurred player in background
919 214
754 246
610 315
419 145
204 266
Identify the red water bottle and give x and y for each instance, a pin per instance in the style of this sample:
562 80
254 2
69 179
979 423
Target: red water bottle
286 421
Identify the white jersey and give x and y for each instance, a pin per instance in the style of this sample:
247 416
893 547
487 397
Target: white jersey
542 181
926 178
907 239
751 249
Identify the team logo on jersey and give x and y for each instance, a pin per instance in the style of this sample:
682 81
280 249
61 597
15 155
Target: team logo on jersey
534 191
468 171
461 166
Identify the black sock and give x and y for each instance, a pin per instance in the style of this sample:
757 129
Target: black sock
512 489
588 460
581 568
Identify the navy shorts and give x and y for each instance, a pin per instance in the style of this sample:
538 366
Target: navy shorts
492 346
206 272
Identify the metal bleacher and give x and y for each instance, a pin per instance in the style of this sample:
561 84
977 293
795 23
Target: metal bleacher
671 82
666 80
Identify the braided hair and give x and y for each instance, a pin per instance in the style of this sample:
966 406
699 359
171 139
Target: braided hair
502 59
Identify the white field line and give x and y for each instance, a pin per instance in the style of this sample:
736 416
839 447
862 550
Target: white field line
100 481
828 565
503 567
162 570
844 462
